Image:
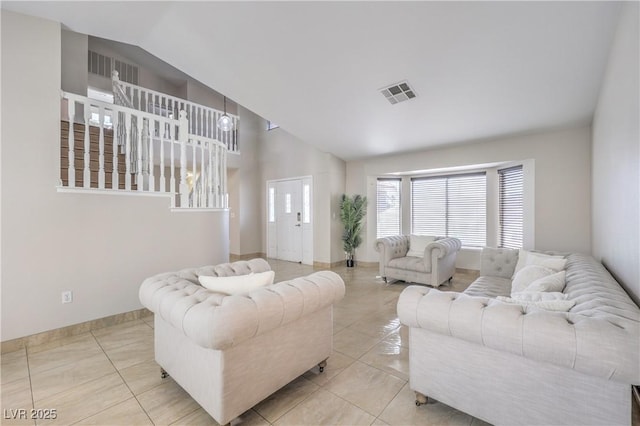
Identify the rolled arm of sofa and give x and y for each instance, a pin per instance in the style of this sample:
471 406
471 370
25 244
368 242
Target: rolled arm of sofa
441 248
440 258
217 321
598 346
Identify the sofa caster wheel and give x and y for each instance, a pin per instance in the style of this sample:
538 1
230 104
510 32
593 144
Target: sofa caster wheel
322 365
385 279
163 373
421 399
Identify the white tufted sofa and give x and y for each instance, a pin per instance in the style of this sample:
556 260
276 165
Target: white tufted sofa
231 352
436 266
506 365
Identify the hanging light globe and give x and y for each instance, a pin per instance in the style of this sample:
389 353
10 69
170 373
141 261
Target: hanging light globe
224 122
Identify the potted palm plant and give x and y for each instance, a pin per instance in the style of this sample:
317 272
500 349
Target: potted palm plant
352 212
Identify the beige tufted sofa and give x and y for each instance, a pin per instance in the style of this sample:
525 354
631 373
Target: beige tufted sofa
506 365
231 352
436 266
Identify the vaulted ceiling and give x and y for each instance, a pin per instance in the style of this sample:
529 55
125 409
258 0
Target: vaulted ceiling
479 69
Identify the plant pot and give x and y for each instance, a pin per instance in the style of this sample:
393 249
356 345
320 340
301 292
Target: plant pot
350 263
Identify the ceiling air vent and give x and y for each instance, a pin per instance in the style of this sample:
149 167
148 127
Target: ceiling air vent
398 92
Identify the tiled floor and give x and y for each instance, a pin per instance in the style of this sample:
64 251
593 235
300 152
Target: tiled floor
109 377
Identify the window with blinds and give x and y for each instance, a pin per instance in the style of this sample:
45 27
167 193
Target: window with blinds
510 183
388 207
451 206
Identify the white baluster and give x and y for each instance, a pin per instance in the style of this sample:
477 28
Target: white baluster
225 203
163 184
216 165
203 177
201 121
115 178
234 136
183 134
210 176
172 179
152 132
194 146
87 147
207 123
140 177
101 175
127 151
71 171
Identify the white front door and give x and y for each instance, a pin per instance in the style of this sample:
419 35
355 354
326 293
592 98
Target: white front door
289 220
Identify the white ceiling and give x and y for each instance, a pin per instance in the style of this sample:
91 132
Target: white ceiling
480 69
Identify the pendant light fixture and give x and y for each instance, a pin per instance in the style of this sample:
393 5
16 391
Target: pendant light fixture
224 122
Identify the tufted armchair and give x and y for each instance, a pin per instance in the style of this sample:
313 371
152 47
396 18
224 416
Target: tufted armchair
231 352
436 265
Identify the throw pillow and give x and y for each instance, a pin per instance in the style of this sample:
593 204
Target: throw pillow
417 244
237 284
525 258
553 283
527 276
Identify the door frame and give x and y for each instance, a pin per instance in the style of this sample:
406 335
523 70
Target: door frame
307 229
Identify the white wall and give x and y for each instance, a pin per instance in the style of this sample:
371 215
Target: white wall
204 95
283 156
616 158
99 246
74 62
246 217
562 162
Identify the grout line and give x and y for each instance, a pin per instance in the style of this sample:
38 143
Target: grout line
123 381
33 402
300 402
175 422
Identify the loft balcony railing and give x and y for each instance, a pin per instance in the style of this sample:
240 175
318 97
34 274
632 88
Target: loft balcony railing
202 119
110 147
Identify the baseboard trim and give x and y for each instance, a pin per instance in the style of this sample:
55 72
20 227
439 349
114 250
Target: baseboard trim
247 256
325 265
467 271
71 330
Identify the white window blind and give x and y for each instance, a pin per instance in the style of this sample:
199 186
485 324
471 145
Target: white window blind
388 207
510 183
451 206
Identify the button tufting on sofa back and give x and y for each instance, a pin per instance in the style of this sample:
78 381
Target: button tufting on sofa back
217 321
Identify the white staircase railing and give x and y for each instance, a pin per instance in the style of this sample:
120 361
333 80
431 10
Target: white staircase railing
202 119
158 156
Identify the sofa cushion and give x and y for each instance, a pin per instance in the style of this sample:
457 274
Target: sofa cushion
545 305
498 262
409 263
536 296
239 284
418 243
485 286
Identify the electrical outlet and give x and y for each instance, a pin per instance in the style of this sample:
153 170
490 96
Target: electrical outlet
67 296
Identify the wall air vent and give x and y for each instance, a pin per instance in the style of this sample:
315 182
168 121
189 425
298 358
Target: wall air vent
398 92
103 65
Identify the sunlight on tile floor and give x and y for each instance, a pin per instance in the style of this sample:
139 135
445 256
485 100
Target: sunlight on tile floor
109 377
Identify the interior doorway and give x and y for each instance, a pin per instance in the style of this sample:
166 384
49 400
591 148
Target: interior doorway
290 220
